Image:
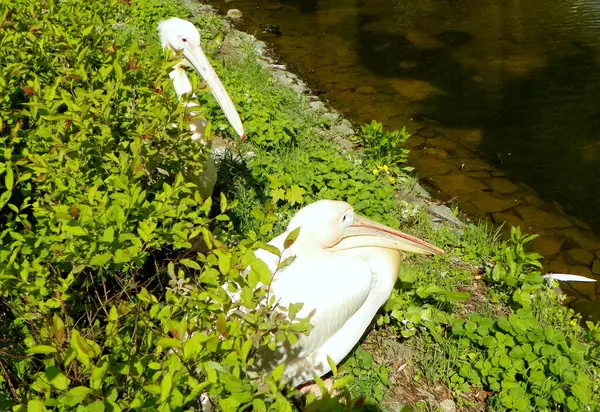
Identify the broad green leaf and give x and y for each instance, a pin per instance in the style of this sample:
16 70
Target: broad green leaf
262 270
333 366
168 343
295 195
9 178
190 263
57 378
108 236
41 349
223 202
96 406
277 194
75 396
74 230
36 405
291 238
100 260
165 388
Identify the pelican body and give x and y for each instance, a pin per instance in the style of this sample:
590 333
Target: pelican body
345 269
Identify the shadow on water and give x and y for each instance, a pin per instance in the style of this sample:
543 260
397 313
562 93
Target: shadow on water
542 128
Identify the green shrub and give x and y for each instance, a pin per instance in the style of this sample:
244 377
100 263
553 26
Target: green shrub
384 146
98 286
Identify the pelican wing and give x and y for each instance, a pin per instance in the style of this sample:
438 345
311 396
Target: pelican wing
332 289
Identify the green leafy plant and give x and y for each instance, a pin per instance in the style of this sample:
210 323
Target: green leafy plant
385 147
525 366
367 378
513 271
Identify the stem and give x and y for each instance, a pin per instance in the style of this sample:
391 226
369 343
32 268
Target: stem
10 384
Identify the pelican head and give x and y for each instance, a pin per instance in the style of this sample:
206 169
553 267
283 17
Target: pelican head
182 36
332 226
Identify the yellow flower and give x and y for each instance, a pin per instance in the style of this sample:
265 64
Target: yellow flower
375 171
385 168
392 180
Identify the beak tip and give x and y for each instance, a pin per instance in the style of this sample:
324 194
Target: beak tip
243 137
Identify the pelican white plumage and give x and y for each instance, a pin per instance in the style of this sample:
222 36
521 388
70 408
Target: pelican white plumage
181 35
345 269
565 277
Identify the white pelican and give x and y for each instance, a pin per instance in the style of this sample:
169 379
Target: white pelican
345 269
181 35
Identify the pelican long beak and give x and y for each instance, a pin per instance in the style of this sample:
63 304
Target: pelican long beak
194 54
368 233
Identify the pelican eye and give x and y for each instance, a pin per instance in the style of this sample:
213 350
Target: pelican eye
347 219
183 39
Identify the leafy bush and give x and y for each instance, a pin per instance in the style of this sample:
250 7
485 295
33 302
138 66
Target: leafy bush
106 308
384 146
315 172
526 365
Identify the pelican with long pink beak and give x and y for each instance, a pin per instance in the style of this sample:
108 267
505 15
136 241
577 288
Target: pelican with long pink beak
344 270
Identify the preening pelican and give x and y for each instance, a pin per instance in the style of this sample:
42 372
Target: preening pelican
345 269
181 35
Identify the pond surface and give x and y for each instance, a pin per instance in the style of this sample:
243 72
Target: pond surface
502 98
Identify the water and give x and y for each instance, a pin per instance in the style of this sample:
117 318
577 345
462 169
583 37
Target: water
503 98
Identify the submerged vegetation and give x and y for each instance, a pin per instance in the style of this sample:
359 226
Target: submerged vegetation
100 285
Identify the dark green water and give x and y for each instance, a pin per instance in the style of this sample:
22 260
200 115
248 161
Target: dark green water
502 98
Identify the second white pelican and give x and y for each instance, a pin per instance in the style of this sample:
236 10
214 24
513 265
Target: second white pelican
181 35
345 269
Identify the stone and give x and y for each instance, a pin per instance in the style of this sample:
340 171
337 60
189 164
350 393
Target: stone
416 90
579 223
440 142
260 47
428 165
474 164
468 137
598 254
596 267
445 213
456 184
538 218
234 14
558 265
447 405
317 106
579 257
414 141
587 308
422 39
582 289
547 246
331 117
491 204
471 209
299 87
432 151
502 186
283 78
480 174
509 220
366 90
575 238
427 132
